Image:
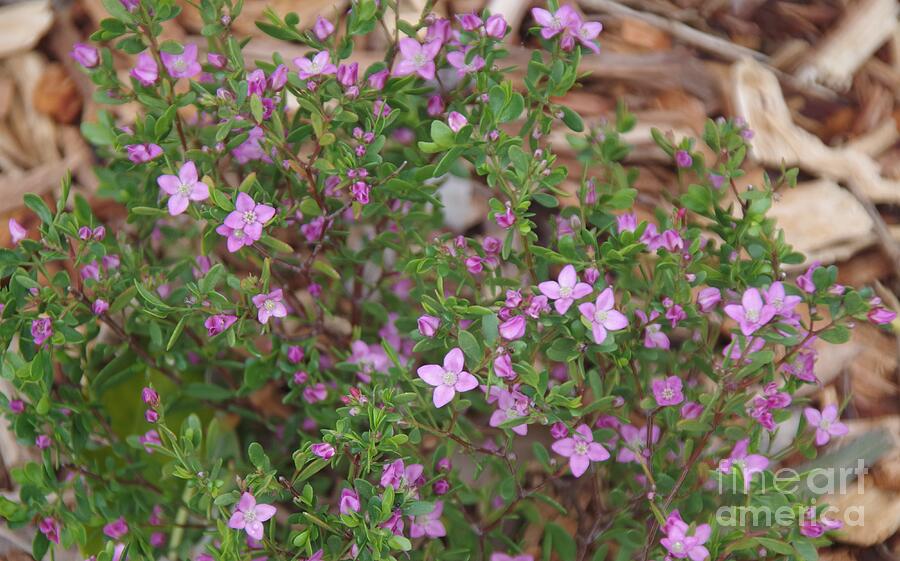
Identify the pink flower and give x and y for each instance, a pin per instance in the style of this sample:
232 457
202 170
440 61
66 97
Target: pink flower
881 316
320 65
42 441
751 314
667 391
586 33
116 529
182 65
749 464
50 528
145 69
428 325
826 423
269 305
16 232
782 304
349 501
635 441
295 354
417 58
249 516
378 80
581 450
322 450
510 405
449 378
683 159
218 323
217 60
812 528
17 406
565 290
428 525
256 83
602 317
626 222
456 121
680 544
506 557
347 74
99 307
503 367
495 26
513 328
41 330
315 393
457 60
505 219
150 439
278 78
323 28
805 281
708 298
183 188
248 218
85 55
402 477
691 410
143 153
150 397
552 24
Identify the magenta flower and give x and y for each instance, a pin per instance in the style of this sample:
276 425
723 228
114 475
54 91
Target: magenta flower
42 441
782 303
667 391
805 281
417 58
601 316
428 325
269 305
150 439
812 528
449 378
50 528
378 80
506 218
17 406
495 26
457 60
626 222
183 188
680 544
552 24
85 55
402 477
218 323
513 328
116 529
322 450
503 367
150 397
751 313
41 330
581 450
145 70
565 290
99 307
826 423
691 410
320 65
586 33
323 28
510 405
349 501
143 153
16 232
249 516
749 464
683 159
428 525
881 316
278 78
182 65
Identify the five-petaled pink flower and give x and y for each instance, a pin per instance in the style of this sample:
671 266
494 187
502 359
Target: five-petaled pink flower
244 225
269 305
667 391
457 60
16 231
249 516
751 313
319 65
428 525
182 65
826 423
681 545
552 24
581 450
449 378
749 464
417 58
602 317
183 188
565 290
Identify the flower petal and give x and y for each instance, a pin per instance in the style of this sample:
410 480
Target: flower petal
433 374
454 361
442 395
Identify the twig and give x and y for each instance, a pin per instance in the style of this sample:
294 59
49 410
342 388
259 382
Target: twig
885 240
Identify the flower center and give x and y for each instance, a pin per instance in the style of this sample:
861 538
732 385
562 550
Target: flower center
249 217
249 516
581 448
449 378
600 316
824 424
184 189
752 315
420 59
678 546
565 292
269 305
180 65
668 393
238 234
778 303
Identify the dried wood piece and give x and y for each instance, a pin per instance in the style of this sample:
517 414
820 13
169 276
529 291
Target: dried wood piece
35 131
56 95
866 27
22 25
777 140
808 215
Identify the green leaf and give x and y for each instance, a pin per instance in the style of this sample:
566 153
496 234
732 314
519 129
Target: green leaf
39 207
469 345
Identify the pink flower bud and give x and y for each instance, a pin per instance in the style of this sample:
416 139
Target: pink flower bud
150 397
99 307
428 325
85 55
708 298
495 26
503 366
513 328
435 105
456 121
322 450
323 28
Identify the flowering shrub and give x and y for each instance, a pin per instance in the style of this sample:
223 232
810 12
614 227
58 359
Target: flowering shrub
285 353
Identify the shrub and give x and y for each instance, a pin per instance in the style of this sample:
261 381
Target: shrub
285 353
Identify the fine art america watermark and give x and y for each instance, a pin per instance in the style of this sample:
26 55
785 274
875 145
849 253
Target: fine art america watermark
813 483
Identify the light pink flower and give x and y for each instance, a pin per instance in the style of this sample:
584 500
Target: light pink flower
349 501
269 305
323 28
183 188
320 65
513 328
552 24
602 317
249 516
565 290
826 423
749 464
428 525
751 313
244 225
417 58
182 65
449 378
667 391
16 232
581 450
145 69
457 60
680 544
